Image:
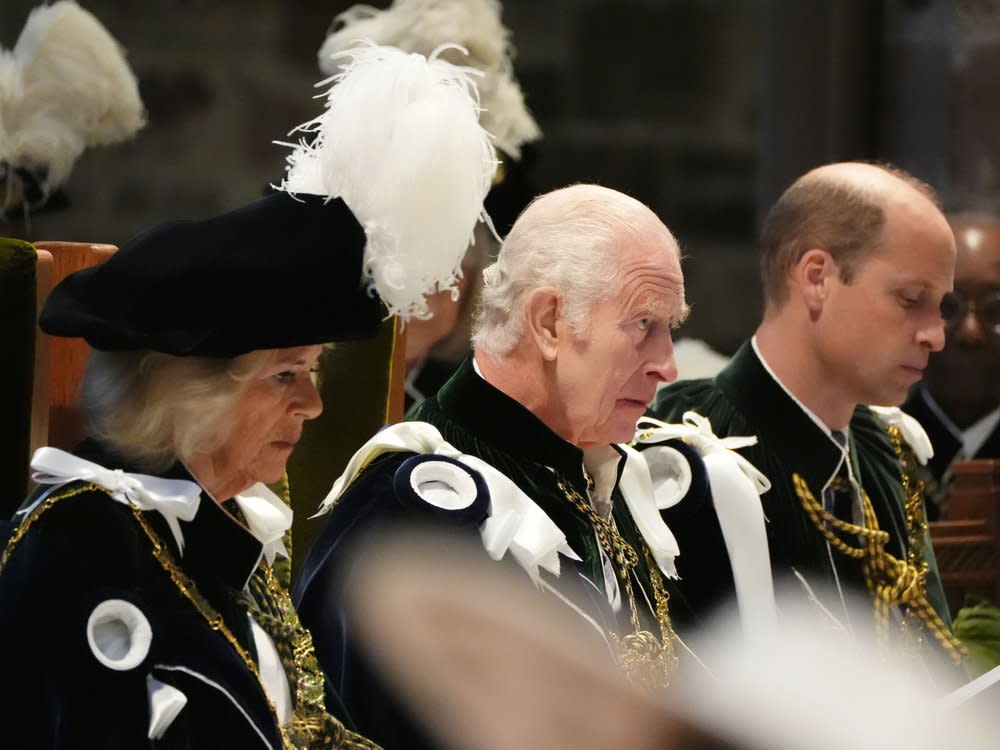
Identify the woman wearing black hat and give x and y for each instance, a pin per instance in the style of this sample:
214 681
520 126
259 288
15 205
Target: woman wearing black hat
138 604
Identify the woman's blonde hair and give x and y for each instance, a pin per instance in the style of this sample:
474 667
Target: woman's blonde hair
153 408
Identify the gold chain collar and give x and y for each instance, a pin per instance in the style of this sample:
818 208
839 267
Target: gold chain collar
893 582
645 659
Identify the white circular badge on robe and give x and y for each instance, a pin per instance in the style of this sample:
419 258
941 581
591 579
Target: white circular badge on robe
119 634
670 473
443 484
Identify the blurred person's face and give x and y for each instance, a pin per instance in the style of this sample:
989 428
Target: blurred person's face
265 424
607 377
875 333
965 377
420 334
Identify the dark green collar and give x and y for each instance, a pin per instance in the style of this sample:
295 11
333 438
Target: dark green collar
781 425
505 424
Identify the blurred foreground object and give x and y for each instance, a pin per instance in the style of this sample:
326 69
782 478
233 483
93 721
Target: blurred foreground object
488 664
65 87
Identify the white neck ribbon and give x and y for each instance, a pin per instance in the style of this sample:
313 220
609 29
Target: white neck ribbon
268 517
174 499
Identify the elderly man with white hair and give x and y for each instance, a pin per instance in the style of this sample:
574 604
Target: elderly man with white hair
525 444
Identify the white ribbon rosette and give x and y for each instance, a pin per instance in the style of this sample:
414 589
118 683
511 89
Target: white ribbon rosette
515 524
911 430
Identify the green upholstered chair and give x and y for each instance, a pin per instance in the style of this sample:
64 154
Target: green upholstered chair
39 383
25 279
362 389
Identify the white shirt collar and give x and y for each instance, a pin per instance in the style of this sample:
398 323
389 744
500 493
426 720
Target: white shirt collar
475 366
601 463
818 422
976 434
973 436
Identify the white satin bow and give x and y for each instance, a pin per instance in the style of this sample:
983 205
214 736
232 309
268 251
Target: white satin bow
636 486
696 431
515 523
174 499
911 430
268 518
736 485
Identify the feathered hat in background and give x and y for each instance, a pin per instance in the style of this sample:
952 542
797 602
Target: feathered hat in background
401 144
384 196
422 26
65 87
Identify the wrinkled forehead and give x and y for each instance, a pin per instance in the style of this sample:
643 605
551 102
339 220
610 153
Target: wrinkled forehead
650 275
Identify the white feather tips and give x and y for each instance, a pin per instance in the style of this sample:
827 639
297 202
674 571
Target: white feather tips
66 87
421 26
401 144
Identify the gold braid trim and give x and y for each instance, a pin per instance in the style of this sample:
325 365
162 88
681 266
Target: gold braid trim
645 659
283 565
893 582
305 730
311 726
30 519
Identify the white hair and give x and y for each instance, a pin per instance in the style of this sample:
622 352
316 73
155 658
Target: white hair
153 408
568 239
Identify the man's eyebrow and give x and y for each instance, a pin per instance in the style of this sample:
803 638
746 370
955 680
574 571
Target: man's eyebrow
291 360
681 316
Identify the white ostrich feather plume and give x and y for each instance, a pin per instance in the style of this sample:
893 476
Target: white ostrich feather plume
63 88
400 142
422 26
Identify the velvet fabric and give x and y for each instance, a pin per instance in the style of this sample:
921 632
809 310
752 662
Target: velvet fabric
190 287
480 421
744 399
87 549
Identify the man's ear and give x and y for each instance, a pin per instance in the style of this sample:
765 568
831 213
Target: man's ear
812 277
542 313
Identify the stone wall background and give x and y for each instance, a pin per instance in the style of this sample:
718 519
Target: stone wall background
701 108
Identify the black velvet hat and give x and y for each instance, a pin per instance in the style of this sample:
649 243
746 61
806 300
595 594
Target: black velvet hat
283 271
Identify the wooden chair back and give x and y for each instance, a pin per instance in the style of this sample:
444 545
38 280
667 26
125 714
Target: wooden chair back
68 356
967 543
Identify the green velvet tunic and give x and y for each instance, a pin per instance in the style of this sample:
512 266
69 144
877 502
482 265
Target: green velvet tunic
744 399
481 421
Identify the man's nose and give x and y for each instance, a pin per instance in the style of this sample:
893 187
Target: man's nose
663 366
932 335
